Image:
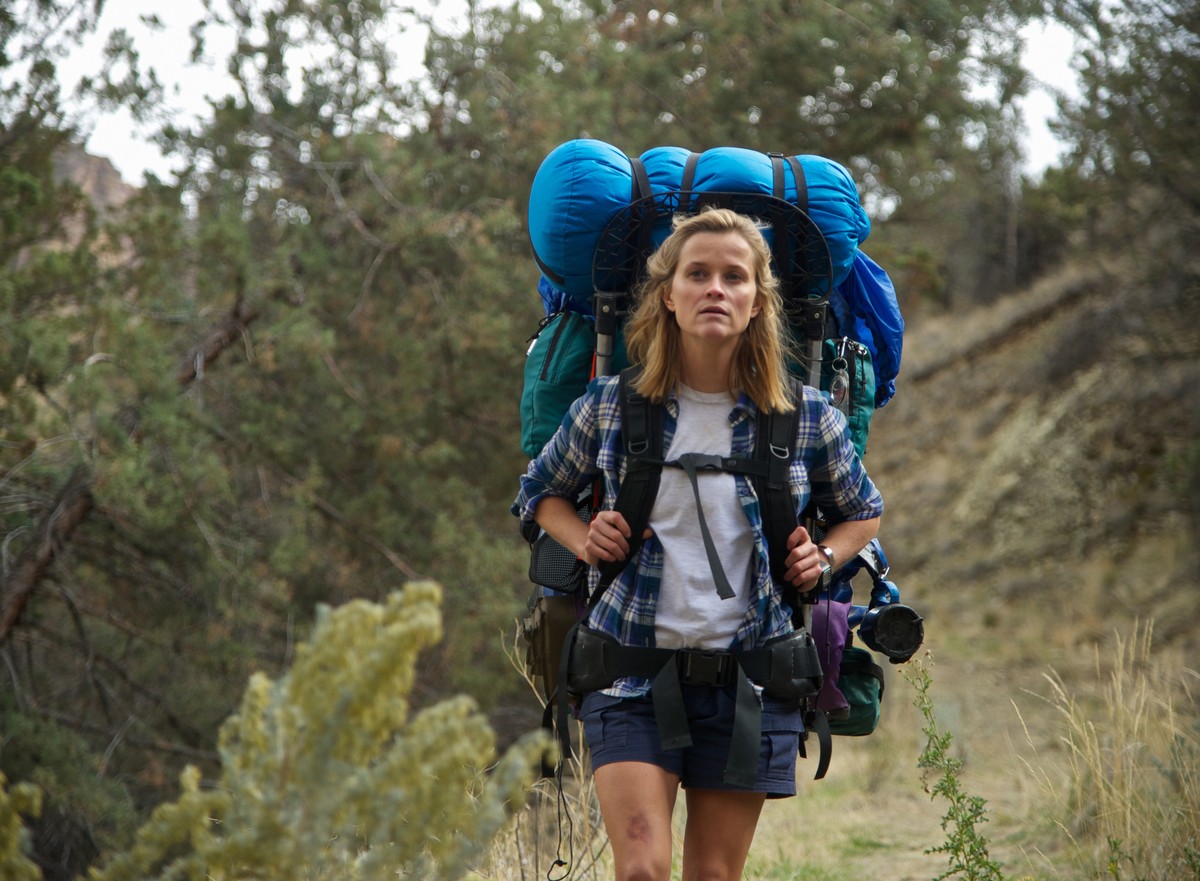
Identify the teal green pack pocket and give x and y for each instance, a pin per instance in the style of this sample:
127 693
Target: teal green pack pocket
860 679
558 367
848 375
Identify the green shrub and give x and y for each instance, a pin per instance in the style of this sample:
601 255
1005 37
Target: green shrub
325 774
965 847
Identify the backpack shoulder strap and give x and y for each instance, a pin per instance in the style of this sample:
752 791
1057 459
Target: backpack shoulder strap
642 435
775 446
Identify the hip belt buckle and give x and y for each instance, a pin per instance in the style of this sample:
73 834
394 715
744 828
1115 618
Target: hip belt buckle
706 667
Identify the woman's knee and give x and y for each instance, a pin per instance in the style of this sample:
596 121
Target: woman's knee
644 867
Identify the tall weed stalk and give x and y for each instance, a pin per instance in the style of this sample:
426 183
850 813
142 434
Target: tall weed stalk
965 847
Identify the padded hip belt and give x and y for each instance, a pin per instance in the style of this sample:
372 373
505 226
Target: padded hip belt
787 667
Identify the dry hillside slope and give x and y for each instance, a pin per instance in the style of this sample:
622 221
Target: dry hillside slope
1040 462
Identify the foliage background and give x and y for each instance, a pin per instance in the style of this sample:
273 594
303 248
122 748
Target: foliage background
287 377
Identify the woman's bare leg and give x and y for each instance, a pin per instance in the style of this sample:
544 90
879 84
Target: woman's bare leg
636 801
720 829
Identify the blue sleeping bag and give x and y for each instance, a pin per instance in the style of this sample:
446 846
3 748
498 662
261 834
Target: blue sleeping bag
579 187
829 195
583 184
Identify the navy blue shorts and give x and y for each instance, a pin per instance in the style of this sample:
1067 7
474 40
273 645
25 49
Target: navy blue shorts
624 730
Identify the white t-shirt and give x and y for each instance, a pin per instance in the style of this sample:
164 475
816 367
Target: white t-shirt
690 614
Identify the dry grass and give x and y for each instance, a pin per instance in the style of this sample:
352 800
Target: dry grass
1132 753
558 834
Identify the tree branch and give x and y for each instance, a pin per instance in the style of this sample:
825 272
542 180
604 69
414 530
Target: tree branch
72 505
217 340
157 745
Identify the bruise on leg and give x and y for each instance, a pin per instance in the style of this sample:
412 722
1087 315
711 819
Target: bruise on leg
639 829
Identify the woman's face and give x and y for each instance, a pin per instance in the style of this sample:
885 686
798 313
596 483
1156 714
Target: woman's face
714 291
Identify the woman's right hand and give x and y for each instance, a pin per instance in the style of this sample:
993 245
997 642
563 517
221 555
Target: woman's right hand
607 539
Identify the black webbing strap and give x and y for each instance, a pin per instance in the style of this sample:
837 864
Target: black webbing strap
643 214
641 180
670 714
691 463
642 432
779 244
559 698
687 181
818 723
801 183
774 448
778 185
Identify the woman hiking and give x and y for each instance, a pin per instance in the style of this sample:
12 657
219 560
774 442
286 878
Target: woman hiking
708 336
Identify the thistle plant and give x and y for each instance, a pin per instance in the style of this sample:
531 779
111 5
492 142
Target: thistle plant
327 774
965 847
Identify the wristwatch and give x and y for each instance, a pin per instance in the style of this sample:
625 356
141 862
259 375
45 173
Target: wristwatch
828 552
825 559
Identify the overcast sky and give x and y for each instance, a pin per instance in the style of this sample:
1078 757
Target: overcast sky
118 138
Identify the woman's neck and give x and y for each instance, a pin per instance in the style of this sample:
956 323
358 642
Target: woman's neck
705 370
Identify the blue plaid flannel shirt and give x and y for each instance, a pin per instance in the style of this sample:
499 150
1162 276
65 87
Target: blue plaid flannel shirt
588 445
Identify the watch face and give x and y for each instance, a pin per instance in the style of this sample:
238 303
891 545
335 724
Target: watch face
828 554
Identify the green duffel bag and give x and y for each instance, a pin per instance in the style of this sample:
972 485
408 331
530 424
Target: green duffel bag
558 367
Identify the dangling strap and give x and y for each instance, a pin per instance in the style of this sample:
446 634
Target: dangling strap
670 714
690 463
818 722
742 767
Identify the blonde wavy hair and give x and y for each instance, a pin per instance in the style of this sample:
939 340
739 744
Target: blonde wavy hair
759 365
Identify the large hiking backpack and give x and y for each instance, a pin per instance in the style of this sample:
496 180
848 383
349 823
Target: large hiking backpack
595 214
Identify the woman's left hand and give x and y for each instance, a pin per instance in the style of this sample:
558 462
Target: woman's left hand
803 562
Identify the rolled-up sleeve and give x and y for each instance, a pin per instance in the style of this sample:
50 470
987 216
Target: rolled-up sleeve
840 484
567 463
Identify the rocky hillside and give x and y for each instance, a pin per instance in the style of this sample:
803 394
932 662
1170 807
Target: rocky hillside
1041 463
96 176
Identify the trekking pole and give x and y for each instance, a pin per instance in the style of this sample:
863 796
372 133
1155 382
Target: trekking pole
607 312
815 334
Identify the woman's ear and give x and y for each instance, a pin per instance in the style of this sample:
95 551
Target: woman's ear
666 298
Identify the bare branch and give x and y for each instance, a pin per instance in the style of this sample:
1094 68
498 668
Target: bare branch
72 505
222 335
163 746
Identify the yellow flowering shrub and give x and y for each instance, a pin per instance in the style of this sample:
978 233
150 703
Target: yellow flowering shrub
327 774
21 799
